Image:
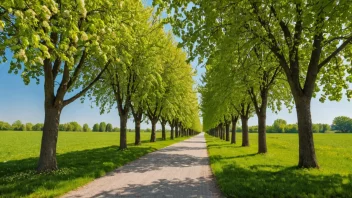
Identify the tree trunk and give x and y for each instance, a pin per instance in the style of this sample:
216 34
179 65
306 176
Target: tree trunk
172 131
217 131
176 130
261 113
234 123
163 132
227 131
307 157
123 131
245 139
153 135
137 128
224 132
47 159
262 148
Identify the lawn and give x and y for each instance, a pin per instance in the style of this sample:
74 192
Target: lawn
82 157
241 172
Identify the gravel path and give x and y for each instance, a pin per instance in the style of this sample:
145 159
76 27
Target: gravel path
180 170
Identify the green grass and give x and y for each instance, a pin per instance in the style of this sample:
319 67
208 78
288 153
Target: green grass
241 172
82 157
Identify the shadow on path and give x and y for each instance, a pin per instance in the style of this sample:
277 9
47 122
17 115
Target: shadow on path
163 188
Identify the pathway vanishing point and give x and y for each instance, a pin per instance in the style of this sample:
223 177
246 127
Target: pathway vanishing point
179 170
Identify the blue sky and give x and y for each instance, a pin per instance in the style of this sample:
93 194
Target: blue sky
26 103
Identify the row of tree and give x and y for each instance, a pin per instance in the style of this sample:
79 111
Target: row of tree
116 54
266 54
340 124
19 126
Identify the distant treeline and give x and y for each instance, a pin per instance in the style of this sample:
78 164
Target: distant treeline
340 124
70 126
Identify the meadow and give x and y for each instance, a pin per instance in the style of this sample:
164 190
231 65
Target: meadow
82 157
241 172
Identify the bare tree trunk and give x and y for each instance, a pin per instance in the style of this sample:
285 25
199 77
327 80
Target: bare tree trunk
261 113
163 131
245 138
307 157
176 130
172 131
123 131
262 148
153 134
227 131
137 128
47 159
217 132
234 123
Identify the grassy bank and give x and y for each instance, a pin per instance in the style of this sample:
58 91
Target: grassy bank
240 172
82 157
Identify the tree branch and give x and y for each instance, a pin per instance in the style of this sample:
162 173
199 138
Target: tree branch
81 93
77 70
339 49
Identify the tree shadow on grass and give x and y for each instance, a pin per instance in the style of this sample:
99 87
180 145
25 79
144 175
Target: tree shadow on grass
280 181
18 178
216 158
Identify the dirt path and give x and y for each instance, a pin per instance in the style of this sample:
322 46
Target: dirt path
180 170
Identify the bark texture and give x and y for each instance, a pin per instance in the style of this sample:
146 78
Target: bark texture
233 132
47 159
307 157
137 128
245 138
227 126
172 135
153 134
123 132
163 130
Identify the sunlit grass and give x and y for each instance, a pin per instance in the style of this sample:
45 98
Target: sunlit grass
241 172
82 157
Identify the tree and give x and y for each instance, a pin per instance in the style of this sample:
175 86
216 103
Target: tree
102 127
279 125
86 128
290 128
343 124
244 112
75 126
17 125
96 127
38 127
63 39
134 73
302 35
325 128
316 128
4 126
29 126
233 131
109 127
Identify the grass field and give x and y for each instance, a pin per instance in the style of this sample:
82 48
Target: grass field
240 172
82 157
